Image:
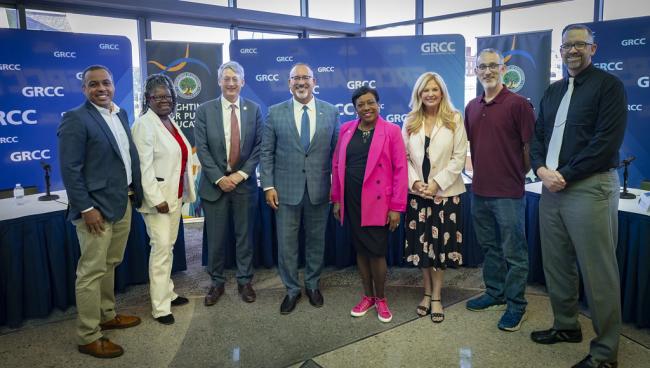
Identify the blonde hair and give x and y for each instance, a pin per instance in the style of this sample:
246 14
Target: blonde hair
447 113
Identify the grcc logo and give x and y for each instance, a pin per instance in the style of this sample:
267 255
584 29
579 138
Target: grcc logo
4 140
10 67
282 59
325 69
23 117
396 118
43 91
248 51
614 65
438 47
30 155
65 54
357 84
267 77
643 82
633 42
109 46
638 107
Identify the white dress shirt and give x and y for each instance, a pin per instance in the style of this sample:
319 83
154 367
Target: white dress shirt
225 117
115 125
311 111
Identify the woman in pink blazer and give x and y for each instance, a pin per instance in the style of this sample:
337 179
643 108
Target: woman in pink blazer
369 187
436 146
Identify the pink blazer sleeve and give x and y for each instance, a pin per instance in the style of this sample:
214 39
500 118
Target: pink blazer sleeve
400 171
336 184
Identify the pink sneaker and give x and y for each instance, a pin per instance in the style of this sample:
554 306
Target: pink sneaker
366 303
383 313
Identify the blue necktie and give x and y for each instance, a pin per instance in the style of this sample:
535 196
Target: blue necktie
304 128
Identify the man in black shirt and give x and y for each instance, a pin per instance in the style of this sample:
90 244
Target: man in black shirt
578 133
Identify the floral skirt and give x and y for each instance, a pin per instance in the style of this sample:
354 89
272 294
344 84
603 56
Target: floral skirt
434 233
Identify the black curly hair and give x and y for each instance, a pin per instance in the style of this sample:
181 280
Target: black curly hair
154 81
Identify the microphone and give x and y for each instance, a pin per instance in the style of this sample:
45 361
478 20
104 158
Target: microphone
48 196
628 160
45 166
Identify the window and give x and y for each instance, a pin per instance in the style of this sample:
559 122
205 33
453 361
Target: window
616 9
289 7
393 31
8 18
183 32
70 22
470 27
338 10
253 35
380 12
550 16
441 7
210 2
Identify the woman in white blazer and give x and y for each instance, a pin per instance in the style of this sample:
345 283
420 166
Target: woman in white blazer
167 180
436 146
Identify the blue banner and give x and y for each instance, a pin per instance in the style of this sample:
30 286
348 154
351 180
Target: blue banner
527 57
624 50
40 79
389 64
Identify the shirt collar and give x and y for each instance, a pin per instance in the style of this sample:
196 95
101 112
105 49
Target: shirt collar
225 104
103 110
582 76
311 105
499 97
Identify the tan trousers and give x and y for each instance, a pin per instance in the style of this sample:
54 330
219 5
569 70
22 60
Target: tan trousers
94 288
163 231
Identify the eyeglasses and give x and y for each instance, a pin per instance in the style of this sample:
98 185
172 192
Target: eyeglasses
492 67
297 78
161 98
578 45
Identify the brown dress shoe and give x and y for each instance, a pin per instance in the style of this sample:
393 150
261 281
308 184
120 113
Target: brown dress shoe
120 321
102 348
247 293
213 295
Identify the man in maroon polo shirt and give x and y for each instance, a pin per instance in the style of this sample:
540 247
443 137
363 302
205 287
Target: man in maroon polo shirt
499 125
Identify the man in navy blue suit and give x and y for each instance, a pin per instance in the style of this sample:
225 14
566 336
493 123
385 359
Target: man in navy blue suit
101 174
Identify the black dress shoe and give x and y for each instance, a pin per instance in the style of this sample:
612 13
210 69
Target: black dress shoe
553 336
590 362
179 301
166 320
289 304
315 297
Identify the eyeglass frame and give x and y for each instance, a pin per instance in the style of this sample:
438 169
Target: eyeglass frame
297 78
161 98
492 67
569 46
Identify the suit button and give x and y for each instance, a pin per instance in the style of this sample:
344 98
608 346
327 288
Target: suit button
379 165
378 197
378 181
306 155
303 170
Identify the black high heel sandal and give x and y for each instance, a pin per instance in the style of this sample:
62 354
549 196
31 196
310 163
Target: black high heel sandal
421 310
436 317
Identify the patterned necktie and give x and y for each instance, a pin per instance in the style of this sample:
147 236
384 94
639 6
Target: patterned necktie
304 128
553 153
233 157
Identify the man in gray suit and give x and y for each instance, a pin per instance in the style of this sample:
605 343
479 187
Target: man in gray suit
228 136
101 171
298 141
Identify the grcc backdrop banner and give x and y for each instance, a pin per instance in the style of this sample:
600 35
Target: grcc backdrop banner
40 79
624 50
389 64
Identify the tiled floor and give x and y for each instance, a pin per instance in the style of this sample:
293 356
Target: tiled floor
235 334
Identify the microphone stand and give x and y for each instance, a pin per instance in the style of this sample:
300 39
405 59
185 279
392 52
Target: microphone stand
625 194
48 196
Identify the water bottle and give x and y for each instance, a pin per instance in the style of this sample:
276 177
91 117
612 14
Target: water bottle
19 194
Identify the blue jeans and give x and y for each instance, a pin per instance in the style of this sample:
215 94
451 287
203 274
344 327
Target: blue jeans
499 227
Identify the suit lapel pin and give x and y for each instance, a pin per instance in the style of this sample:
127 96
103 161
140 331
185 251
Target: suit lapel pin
245 108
